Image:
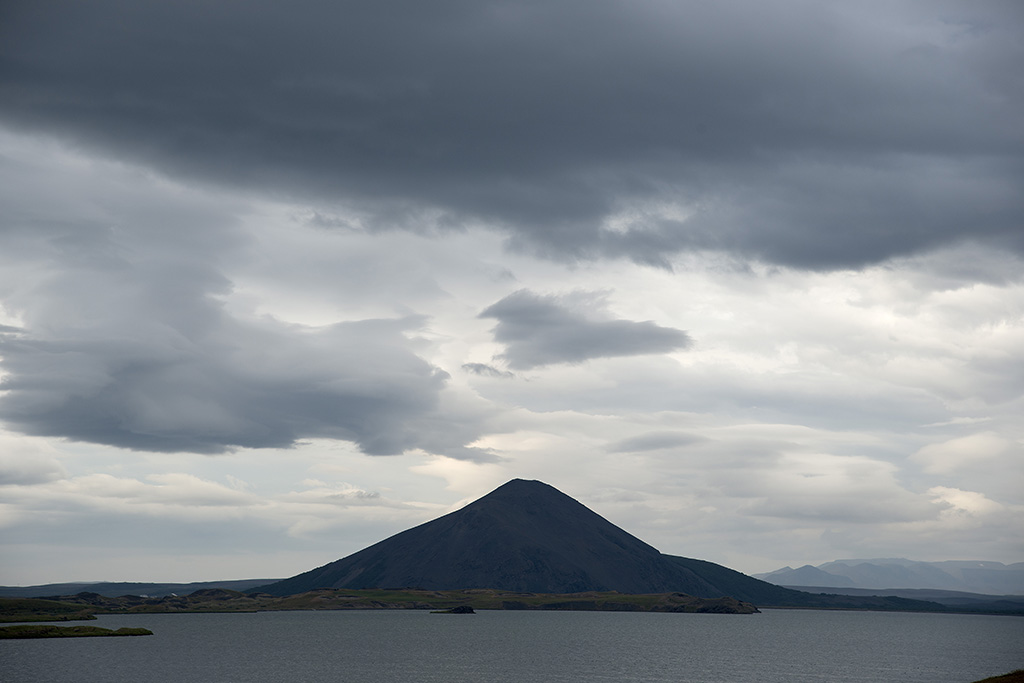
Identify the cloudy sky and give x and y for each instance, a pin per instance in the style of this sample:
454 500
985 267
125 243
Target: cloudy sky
278 280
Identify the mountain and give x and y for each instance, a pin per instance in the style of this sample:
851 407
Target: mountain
527 536
985 577
953 601
806 576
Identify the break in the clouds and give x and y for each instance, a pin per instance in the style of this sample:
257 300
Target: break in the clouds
544 330
821 135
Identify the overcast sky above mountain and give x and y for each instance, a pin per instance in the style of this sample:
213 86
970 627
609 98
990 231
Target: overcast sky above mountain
280 279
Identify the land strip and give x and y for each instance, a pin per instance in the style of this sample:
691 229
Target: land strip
49 631
28 609
220 600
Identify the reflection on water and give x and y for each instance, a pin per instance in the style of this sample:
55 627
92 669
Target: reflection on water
778 646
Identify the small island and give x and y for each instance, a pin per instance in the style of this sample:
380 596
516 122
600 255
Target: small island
49 631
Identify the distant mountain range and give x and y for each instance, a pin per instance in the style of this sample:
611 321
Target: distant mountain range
990 578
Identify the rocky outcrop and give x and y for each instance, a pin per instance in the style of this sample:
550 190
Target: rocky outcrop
461 609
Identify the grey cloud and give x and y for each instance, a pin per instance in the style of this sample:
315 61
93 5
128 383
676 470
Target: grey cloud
661 384
233 385
653 441
20 469
125 340
877 506
485 370
543 330
822 135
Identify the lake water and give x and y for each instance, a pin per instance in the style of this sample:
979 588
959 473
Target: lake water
777 646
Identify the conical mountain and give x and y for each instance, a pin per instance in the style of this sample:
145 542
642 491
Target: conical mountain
524 536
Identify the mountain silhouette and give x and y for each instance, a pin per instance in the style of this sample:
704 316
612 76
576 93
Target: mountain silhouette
527 536
524 536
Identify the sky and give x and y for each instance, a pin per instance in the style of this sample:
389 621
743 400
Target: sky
279 280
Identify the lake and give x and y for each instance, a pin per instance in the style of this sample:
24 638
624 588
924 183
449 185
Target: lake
777 646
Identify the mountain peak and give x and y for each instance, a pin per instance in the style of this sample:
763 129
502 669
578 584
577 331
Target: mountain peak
523 486
528 494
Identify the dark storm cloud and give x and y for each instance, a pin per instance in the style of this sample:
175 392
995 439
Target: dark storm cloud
544 330
814 134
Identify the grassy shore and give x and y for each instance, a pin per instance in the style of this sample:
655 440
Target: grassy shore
219 600
30 609
488 599
49 631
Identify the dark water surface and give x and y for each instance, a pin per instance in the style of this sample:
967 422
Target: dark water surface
778 646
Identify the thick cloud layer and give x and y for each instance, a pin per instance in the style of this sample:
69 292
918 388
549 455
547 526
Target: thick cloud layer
126 339
544 330
226 386
822 135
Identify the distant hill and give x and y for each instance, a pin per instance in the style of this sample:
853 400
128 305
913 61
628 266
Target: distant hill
806 576
527 536
974 576
958 601
113 590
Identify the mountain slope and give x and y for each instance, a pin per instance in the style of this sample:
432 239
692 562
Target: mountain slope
736 584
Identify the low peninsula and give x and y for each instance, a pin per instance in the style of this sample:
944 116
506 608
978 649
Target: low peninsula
50 631
32 609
